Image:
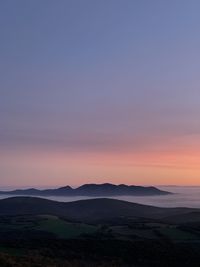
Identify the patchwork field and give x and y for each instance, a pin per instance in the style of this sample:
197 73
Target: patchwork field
45 223
63 229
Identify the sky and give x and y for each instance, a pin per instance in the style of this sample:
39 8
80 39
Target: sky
99 91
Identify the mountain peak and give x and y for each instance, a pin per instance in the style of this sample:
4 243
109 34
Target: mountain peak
67 187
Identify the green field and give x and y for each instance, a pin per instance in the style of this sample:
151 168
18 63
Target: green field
46 223
63 229
18 222
129 232
154 231
177 234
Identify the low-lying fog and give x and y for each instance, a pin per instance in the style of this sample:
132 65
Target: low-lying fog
182 197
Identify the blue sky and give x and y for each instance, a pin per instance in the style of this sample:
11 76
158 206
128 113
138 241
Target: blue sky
98 77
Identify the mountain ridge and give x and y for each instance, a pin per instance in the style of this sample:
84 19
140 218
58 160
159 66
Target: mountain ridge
100 190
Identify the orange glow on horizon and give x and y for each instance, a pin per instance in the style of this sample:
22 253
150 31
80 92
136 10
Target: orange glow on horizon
75 168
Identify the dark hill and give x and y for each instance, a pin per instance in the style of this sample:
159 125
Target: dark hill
94 190
87 210
193 216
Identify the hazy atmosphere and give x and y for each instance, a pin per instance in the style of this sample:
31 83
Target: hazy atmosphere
99 91
99 133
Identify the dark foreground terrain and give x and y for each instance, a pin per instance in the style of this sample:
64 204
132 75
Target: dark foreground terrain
99 232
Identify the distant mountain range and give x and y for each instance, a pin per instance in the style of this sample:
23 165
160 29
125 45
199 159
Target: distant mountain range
95 210
93 190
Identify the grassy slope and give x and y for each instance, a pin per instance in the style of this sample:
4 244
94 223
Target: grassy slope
63 229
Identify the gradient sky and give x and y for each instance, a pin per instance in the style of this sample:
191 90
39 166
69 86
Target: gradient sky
99 91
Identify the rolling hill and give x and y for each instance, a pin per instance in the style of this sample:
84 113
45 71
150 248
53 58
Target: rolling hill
91 210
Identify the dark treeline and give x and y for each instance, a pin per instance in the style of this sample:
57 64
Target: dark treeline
97 252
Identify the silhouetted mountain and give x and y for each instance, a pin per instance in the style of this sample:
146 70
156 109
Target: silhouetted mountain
98 190
88 210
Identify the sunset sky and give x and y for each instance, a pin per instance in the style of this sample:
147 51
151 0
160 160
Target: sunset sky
99 91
